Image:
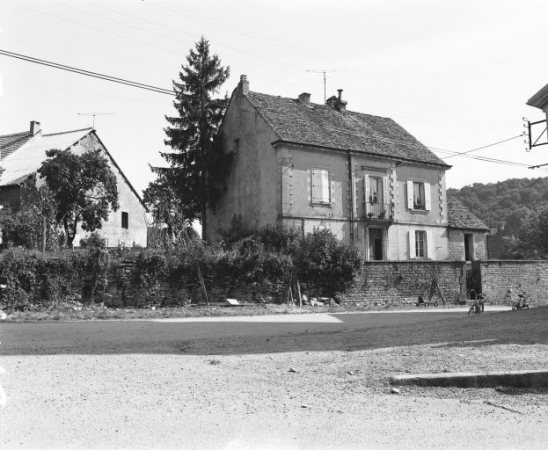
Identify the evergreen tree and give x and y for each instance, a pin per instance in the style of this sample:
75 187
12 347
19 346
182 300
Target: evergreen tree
191 133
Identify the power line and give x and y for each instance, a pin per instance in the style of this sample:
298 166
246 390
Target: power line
148 43
485 146
238 30
450 152
170 92
88 73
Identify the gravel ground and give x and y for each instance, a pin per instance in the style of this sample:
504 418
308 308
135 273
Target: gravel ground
293 400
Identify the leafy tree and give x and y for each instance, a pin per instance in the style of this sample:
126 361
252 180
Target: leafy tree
168 212
504 203
83 187
531 241
191 134
31 226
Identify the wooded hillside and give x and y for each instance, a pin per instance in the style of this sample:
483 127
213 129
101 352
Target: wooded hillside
505 202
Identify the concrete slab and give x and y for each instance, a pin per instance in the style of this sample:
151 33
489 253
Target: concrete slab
520 379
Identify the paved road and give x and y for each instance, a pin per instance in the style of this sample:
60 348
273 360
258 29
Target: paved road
155 385
233 335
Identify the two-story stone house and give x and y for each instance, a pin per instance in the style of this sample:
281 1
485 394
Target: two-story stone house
311 165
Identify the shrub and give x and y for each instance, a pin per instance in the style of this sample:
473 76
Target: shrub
150 268
279 238
93 240
324 262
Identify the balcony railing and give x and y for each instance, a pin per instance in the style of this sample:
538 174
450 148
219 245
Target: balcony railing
379 211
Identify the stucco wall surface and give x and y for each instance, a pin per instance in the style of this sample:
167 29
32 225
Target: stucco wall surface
112 231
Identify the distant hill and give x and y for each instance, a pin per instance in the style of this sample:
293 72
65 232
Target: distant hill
505 202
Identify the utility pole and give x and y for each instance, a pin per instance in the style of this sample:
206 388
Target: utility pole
324 80
96 114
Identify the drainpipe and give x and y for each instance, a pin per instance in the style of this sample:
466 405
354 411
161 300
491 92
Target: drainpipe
351 184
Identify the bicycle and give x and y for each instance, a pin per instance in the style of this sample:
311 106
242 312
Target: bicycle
521 303
478 306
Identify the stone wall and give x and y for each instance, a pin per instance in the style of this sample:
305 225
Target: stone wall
381 282
456 244
400 282
499 276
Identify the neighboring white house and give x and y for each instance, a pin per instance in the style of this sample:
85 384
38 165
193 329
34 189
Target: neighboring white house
22 154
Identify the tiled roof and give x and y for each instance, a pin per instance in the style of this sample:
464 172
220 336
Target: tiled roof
460 217
11 142
325 126
540 99
30 156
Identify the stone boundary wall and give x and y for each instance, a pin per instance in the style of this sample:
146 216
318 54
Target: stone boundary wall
500 275
401 282
380 282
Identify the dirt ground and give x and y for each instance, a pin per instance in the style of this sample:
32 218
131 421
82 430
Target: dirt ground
285 400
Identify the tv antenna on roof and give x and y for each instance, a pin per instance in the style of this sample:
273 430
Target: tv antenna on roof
96 114
324 80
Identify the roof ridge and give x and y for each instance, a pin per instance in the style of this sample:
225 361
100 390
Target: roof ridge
320 105
67 132
15 134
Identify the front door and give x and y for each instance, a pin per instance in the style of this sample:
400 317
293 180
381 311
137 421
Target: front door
375 244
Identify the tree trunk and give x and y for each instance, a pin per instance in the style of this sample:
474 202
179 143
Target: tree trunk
204 208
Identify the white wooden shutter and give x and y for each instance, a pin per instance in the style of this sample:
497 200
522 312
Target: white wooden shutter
384 195
316 185
412 250
410 195
366 188
427 197
326 186
429 245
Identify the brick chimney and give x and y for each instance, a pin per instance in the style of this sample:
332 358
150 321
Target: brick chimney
341 104
244 84
34 127
304 98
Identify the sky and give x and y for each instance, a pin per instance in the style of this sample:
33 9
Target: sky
455 74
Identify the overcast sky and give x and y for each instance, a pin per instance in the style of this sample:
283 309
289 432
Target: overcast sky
455 74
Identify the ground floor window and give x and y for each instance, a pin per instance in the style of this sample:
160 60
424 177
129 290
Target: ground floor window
420 244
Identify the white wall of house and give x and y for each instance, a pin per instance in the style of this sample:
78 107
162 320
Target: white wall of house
118 231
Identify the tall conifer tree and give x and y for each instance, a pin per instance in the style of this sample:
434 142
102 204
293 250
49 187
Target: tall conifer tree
191 133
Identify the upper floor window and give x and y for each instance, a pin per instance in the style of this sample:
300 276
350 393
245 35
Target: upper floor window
418 196
375 190
321 186
125 220
419 202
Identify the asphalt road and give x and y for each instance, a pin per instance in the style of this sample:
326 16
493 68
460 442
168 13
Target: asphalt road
240 335
269 382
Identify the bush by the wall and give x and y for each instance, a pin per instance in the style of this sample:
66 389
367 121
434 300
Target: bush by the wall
322 261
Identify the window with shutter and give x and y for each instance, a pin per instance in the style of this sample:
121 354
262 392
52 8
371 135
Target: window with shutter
420 244
418 196
321 186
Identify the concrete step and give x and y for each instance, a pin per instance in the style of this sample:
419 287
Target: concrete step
520 379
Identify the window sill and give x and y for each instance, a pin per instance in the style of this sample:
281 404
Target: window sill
328 205
420 211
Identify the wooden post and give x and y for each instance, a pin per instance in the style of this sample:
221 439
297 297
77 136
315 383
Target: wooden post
298 286
289 293
44 236
201 278
440 291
